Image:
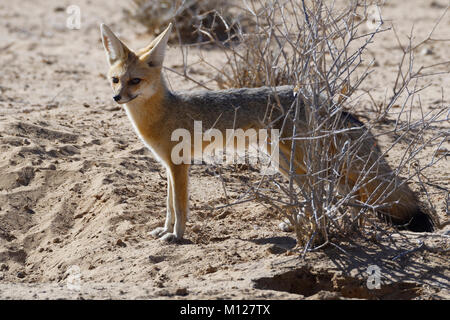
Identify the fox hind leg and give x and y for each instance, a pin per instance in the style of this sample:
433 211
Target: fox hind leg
284 169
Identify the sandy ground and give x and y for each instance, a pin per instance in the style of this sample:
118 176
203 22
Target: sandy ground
79 192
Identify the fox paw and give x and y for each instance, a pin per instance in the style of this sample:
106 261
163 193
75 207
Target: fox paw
164 234
285 226
159 232
169 237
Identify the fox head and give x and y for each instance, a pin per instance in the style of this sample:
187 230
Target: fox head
134 74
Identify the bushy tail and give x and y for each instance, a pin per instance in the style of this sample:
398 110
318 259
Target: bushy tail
379 185
402 206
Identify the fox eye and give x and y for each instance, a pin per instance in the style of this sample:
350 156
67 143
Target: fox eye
115 80
135 81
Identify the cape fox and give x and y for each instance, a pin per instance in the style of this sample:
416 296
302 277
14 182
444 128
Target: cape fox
155 112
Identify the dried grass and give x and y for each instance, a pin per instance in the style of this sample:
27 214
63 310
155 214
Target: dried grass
188 16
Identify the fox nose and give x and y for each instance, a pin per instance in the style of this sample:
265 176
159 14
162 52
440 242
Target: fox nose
117 97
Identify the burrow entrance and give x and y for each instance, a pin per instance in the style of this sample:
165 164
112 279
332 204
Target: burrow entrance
307 283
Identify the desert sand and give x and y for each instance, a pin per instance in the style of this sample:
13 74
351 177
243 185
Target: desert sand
79 192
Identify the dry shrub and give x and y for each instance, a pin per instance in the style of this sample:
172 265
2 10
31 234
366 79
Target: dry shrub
319 48
189 16
255 59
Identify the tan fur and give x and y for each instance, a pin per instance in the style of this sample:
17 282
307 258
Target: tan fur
155 113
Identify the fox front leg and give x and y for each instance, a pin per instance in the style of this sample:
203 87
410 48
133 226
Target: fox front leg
170 215
180 195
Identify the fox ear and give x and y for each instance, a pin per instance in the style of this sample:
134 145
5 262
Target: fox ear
115 49
154 53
